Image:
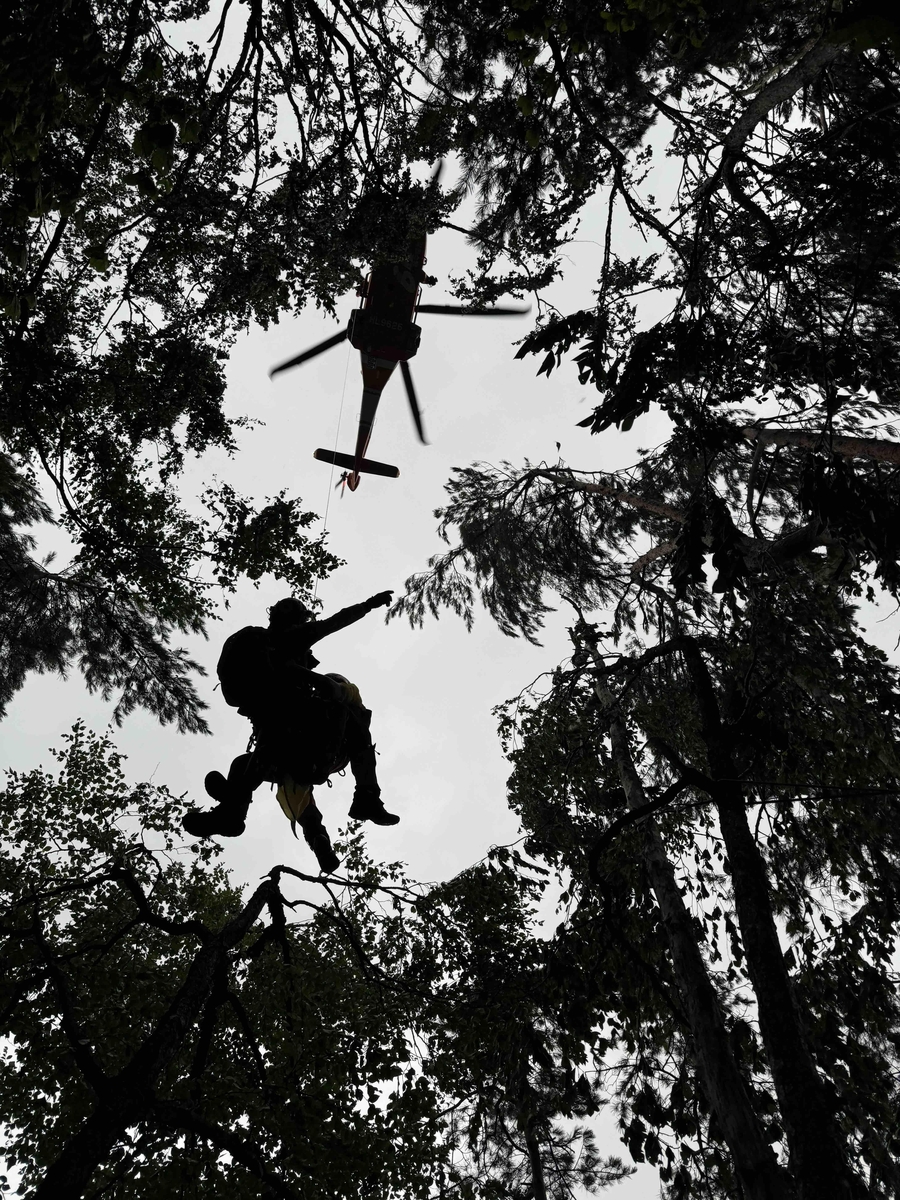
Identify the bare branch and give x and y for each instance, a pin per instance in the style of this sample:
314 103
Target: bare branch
880 449
566 477
659 551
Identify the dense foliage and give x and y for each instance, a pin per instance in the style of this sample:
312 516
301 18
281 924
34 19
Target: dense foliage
164 1036
714 771
168 176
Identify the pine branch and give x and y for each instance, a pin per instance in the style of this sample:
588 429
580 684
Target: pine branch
775 93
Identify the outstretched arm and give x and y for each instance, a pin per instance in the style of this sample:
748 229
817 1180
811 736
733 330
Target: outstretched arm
347 616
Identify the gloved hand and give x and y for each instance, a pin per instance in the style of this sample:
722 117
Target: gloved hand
383 598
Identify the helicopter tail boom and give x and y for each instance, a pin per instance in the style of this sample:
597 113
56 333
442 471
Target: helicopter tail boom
349 463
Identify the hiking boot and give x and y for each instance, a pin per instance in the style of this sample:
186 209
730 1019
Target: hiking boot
227 820
223 791
216 786
321 847
367 806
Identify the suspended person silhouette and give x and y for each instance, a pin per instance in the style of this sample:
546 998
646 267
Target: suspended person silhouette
306 726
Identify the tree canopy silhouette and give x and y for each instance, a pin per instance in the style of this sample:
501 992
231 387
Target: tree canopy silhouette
714 770
316 1037
712 774
159 193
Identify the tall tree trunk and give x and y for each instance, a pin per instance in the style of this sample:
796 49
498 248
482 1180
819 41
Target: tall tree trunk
817 1149
538 1186
726 1090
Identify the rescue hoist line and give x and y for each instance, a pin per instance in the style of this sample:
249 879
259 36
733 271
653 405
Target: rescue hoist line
337 434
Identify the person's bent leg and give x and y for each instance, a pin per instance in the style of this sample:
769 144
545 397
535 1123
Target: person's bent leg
367 804
232 796
316 836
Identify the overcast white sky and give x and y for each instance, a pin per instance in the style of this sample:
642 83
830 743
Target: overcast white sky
431 690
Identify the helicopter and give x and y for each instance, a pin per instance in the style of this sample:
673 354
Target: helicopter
384 331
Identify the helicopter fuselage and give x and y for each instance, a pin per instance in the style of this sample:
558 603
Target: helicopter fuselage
384 333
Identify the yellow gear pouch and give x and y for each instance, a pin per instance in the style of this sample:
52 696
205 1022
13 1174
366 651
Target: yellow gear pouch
293 798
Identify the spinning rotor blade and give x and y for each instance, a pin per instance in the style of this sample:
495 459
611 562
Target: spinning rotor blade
458 310
413 402
308 354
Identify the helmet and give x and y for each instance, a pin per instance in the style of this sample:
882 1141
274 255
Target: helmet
287 612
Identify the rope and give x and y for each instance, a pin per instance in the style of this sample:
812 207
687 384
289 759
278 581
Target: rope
337 434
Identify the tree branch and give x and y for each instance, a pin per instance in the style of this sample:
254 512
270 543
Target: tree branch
880 449
775 93
93 1073
605 840
564 475
177 1117
659 551
784 549
181 928
128 1096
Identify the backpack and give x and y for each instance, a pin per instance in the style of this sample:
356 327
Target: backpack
245 668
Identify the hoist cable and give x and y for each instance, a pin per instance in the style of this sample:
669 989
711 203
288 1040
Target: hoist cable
337 434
